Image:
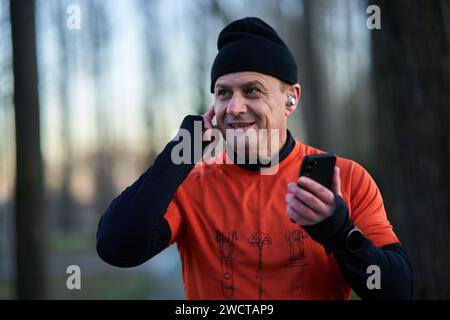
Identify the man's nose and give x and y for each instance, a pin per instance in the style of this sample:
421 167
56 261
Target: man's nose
236 105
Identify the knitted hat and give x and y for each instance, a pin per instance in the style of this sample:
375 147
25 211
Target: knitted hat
250 44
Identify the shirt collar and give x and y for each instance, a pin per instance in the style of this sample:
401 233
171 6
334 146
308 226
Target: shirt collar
284 152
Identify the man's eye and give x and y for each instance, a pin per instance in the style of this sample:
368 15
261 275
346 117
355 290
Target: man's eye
222 92
252 90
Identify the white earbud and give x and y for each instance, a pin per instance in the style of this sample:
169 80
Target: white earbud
291 100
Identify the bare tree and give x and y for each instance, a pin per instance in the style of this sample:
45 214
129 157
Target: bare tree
411 66
218 11
6 139
98 27
66 203
156 77
29 195
200 39
311 75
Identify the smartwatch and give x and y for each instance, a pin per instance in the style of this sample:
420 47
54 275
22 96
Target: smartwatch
354 240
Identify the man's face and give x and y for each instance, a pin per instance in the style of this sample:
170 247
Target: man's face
252 101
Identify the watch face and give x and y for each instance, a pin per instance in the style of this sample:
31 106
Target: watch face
354 240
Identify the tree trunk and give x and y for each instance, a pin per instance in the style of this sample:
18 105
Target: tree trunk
411 67
303 39
29 201
66 202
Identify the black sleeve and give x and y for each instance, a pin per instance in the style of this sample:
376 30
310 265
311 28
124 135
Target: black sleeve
395 269
133 229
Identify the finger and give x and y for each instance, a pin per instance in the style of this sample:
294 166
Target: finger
298 219
208 117
301 209
321 192
207 135
336 184
210 113
308 198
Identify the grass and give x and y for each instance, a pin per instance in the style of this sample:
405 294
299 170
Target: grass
72 242
105 287
77 246
131 287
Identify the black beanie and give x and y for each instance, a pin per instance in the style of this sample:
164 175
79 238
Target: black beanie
250 44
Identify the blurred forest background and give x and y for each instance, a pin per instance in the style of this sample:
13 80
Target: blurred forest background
85 108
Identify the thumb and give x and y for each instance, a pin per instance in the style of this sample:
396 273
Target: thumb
336 183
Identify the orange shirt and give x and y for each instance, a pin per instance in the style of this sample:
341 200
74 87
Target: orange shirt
236 240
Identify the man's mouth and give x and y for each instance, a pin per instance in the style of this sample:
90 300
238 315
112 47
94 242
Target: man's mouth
241 125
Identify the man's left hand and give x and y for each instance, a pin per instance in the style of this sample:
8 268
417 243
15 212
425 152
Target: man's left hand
309 203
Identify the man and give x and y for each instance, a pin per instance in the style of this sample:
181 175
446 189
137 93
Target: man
246 235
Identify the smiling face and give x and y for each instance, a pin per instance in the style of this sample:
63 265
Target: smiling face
253 101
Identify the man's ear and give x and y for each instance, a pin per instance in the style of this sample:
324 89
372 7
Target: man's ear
295 92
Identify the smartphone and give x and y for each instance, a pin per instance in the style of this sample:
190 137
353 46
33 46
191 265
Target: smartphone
319 167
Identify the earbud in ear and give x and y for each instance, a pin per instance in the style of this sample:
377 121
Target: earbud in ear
291 100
